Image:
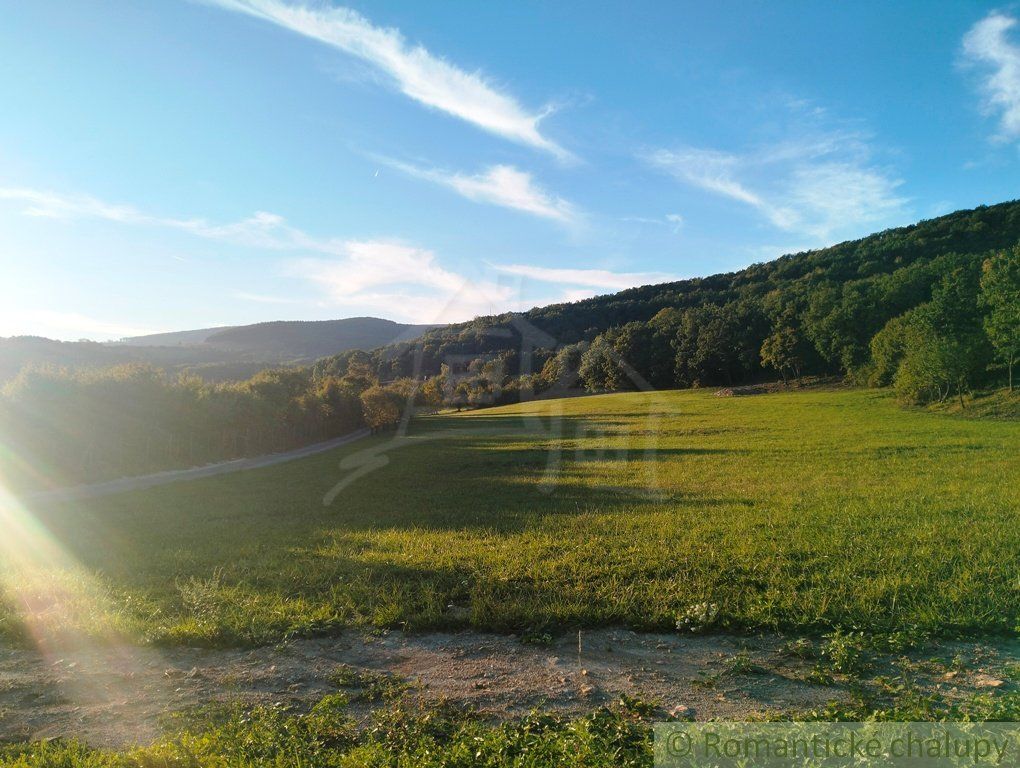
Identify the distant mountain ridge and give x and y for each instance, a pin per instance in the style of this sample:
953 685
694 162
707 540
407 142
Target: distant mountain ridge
288 339
312 339
171 338
836 298
221 353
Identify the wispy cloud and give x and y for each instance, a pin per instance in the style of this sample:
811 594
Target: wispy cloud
592 278
820 186
674 221
260 230
987 44
501 185
708 169
384 276
46 204
408 280
417 73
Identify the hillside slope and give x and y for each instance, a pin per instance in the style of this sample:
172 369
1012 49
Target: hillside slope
171 338
822 308
312 339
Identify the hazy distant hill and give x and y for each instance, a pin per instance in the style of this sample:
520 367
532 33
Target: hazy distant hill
172 338
312 339
213 353
834 300
287 339
18 351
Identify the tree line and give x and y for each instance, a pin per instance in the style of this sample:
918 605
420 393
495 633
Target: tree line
930 309
931 331
62 426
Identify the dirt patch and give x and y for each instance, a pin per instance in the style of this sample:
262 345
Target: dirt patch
808 382
118 697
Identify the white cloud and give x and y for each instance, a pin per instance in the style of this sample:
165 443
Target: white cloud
822 198
260 230
408 281
420 75
51 205
987 43
386 277
820 187
706 168
674 221
501 185
593 278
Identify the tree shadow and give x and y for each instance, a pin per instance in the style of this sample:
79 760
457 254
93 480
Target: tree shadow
488 475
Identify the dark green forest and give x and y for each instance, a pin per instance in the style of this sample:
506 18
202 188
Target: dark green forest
932 310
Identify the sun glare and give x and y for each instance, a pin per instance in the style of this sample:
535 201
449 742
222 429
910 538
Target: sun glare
53 602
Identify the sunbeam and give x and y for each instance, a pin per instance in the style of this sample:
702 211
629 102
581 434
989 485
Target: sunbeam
55 603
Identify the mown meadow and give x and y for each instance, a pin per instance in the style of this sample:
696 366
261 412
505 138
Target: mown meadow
799 511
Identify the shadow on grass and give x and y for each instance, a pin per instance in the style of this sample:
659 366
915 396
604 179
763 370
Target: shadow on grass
264 541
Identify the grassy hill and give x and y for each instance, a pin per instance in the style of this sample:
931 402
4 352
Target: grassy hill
800 511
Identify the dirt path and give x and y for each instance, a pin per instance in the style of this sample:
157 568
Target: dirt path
176 475
120 696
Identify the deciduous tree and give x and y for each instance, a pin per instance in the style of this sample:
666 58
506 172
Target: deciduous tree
1000 295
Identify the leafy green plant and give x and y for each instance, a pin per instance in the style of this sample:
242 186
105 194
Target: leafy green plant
844 652
368 685
741 664
801 648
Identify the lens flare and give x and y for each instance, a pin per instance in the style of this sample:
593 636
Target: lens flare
79 632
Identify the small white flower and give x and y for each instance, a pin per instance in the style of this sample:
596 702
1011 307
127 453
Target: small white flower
698 616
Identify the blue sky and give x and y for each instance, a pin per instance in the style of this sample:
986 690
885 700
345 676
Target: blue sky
169 165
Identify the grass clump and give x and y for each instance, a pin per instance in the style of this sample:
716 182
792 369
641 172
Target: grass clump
367 685
405 732
402 733
742 664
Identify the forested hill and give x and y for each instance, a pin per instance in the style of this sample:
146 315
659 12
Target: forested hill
215 354
811 312
313 339
933 309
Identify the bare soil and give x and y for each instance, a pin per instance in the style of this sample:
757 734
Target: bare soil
121 696
766 388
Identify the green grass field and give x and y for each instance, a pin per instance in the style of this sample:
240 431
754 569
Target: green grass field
797 511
